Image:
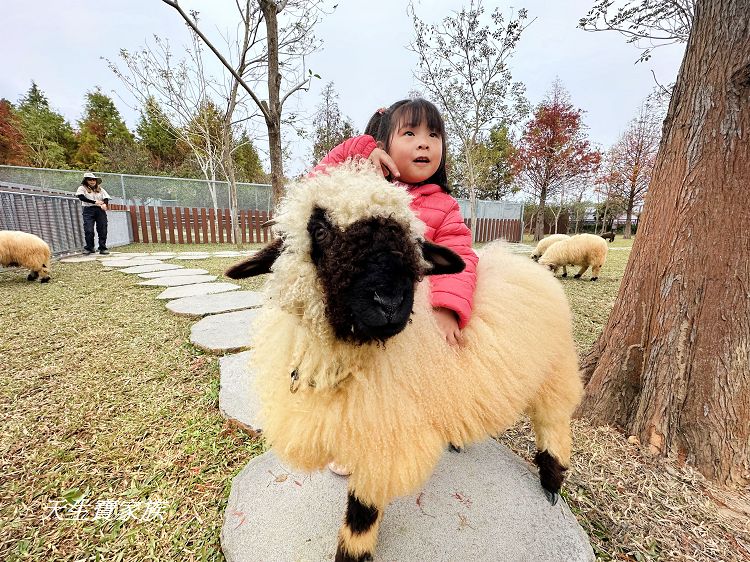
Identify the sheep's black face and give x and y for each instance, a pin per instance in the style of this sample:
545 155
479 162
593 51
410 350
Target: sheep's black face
369 272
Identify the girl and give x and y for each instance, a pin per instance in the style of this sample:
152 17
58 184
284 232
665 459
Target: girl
407 143
94 200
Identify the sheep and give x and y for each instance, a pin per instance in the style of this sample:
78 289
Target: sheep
545 243
351 366
609 236
583 250
25 250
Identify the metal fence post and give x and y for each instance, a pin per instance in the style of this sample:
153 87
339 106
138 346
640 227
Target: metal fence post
122 185
520 240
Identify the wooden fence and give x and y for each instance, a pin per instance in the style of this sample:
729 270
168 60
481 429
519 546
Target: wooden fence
492 229
193 225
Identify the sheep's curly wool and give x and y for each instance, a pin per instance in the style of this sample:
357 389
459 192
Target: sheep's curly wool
25 250
387 411
584 250
545 243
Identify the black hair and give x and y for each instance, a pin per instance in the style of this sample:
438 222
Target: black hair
411 113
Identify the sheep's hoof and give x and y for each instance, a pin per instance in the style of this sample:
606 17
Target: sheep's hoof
552 497
455 448
577 276
32 276
594 278
564 275
44 280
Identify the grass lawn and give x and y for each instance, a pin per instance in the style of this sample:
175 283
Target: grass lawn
104 398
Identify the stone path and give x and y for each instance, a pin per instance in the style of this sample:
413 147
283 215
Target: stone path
485 504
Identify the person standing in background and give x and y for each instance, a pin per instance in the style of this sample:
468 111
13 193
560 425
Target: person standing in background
94 200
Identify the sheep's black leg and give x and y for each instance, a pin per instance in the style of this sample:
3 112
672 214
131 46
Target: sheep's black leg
33 275
359 533
551 475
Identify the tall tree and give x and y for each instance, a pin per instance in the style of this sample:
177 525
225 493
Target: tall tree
653 23
287 38
158 135
672 365
48 137
100 125
331 129
553 150
247 161
463 65
631 161
12 148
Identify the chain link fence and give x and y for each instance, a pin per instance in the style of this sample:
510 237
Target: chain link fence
154 191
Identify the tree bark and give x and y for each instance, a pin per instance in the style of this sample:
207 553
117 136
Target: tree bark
539 227
672 365
273 121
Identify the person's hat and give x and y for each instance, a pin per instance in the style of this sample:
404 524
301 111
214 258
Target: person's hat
91 176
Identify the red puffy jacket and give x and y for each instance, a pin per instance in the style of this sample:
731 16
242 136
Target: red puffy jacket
442 216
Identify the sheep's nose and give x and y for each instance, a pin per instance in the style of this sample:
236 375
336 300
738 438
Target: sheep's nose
389 303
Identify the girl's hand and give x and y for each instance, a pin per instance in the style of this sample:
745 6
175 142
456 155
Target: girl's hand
384 163
448 325
103 206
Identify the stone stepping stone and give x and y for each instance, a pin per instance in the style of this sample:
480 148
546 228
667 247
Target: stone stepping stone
163 255
193 290
172 273
483 505
78 259
119 262
223 333
128 255
178 281
191 256
237 397
152 268
227 254
212 304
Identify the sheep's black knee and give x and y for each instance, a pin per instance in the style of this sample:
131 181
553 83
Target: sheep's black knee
551 472
594 278
33 275
577 276
360 517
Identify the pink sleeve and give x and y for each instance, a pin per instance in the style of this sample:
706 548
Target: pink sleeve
355 147
456 292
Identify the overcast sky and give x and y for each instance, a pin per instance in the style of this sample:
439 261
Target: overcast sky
60 45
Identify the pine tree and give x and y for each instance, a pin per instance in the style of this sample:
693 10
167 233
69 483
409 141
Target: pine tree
101 125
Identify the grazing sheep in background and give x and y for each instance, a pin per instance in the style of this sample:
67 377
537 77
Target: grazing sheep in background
351 366
25 250
609 236
583 250
545 243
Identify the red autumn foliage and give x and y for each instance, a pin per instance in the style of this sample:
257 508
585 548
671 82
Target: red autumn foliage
12 147
553 150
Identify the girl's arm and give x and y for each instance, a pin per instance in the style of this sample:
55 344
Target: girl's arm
456 292
354 147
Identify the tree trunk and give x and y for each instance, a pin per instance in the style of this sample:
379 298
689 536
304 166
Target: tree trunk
628 220
539 227
672 365
269 9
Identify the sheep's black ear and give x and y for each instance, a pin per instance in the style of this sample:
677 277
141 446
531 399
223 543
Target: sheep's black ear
258 264
443 260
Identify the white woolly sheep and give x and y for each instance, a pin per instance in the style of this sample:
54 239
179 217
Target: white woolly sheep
22 249
545 243
583 250
351 366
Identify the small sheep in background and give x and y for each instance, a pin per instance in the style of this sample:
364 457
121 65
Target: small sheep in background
608 236
351 366
545 243
22 249
584 250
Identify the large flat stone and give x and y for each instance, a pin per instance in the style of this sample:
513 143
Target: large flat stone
120 262
227 254
223 333
172 273
191 257
212 304
78 259
482 505
200 289
178 281
151 268
237 398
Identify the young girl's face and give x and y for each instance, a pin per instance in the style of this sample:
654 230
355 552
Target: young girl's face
417 152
